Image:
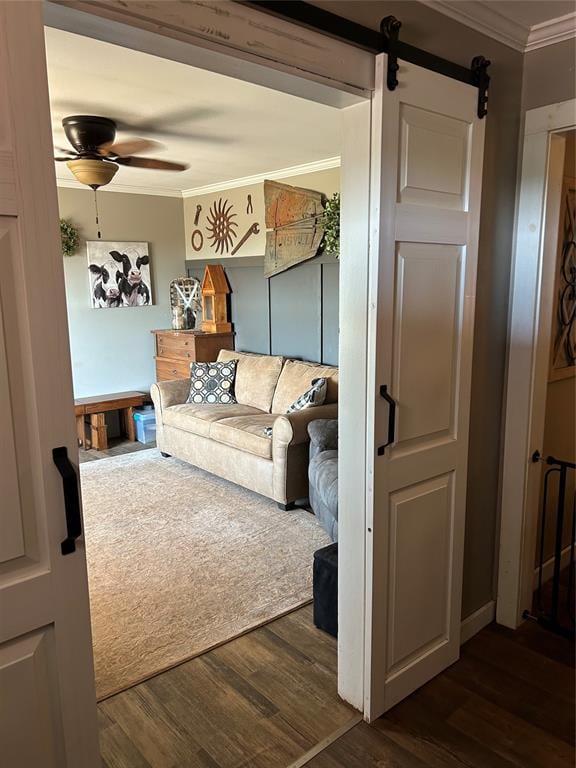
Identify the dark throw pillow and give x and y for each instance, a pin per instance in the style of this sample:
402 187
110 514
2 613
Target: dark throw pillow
212 383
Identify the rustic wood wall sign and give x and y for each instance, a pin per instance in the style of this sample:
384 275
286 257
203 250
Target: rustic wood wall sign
294 226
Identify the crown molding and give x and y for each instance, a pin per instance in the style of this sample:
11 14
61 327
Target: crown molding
552 31
283 173
488 21
125 188
484 19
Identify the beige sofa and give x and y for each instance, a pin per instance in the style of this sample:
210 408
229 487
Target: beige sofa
230 441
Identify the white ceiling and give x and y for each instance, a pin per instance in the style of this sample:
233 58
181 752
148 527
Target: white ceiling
520 24
223 128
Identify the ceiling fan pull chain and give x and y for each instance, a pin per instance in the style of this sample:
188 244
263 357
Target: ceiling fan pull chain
97 220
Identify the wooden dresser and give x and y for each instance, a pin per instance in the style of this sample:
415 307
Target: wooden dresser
175 350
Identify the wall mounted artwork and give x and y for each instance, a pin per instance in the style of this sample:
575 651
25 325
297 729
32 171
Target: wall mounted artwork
284 219
563 354
294 226
119 274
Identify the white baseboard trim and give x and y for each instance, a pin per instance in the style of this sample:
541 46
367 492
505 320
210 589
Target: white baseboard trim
548 567
472 624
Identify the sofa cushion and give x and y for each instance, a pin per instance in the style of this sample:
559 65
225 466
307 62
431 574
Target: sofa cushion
245 433
256 377
296 378
198 418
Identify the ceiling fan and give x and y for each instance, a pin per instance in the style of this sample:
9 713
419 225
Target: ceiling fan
97 155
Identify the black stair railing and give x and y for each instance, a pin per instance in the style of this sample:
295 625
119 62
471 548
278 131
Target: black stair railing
552 615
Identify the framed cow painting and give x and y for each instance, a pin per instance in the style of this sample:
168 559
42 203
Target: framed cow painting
119 274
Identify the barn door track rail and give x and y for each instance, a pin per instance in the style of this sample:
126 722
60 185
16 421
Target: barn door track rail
386 41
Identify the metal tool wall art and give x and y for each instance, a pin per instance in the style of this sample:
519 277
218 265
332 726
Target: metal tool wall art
221 226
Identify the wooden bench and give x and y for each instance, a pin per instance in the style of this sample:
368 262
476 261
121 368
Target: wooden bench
97 406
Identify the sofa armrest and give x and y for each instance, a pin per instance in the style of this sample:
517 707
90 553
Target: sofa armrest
167 393
323 435
292 428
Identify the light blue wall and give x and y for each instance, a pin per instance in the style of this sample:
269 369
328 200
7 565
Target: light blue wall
112 349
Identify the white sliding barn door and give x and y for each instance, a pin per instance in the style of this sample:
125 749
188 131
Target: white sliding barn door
426 182
47 701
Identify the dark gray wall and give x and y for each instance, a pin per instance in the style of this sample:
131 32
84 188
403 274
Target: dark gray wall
549 75
445 37
294 314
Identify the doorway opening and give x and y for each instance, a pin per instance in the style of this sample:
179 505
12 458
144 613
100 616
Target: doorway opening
536 528
165 588
553 603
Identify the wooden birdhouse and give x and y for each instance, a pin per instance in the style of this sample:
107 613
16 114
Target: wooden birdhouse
214 300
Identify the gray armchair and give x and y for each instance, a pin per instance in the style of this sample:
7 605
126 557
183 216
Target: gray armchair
323 473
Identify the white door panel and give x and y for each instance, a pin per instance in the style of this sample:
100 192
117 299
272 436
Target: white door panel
433 159
47 699
420 517
425 341
27 667
426 177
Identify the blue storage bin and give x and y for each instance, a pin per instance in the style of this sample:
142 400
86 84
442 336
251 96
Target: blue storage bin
145 421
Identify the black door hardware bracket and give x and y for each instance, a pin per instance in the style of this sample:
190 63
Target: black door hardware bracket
71 499
390 27
481 79
391 419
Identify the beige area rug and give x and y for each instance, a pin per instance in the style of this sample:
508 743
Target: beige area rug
180 561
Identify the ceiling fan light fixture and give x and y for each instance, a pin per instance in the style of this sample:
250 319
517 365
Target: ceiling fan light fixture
93 173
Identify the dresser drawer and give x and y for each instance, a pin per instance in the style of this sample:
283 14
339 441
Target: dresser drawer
167 369
175 345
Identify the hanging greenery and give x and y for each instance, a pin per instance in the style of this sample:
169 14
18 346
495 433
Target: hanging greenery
70 238
332 225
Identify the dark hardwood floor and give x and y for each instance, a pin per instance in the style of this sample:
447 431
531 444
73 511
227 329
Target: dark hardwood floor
263 699
508 703
267 698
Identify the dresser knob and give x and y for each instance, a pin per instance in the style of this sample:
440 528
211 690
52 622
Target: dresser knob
173 370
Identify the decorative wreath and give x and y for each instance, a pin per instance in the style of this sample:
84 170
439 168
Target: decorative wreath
70 238
331 243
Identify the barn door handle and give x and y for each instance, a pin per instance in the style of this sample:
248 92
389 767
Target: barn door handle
71 499
391 418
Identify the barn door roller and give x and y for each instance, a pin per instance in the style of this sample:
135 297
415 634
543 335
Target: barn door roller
390 27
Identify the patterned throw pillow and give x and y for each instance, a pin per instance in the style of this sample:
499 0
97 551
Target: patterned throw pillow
212 382
316 395
313 396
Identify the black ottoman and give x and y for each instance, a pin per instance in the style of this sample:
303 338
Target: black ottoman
325 587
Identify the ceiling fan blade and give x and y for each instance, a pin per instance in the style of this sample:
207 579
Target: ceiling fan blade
128 147
150 162
63 159
65 151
